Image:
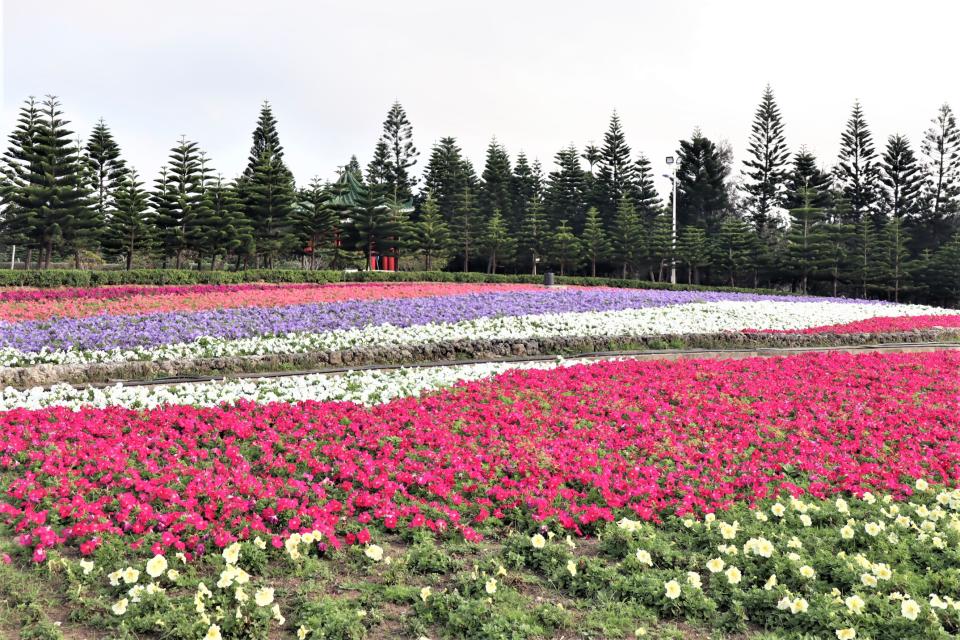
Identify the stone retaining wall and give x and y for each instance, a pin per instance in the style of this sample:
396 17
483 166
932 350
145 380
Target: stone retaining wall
48 374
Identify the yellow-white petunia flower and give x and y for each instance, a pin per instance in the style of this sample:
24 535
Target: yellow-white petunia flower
156 566
855 604
120 606
716 565
672 589
909 609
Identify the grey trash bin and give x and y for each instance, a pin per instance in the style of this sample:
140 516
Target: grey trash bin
548 278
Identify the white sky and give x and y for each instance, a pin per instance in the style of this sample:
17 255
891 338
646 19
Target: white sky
537 75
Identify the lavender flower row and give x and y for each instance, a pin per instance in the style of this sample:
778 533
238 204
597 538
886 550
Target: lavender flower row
143 330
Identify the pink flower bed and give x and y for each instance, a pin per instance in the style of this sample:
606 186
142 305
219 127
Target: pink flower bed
41 304
579 446
882 325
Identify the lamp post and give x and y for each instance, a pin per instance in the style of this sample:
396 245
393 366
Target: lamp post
673 237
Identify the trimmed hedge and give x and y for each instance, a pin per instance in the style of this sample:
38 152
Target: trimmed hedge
75 278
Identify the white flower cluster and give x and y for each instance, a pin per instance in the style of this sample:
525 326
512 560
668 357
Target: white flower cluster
708 317
363 387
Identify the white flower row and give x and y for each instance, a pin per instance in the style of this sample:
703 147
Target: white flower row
709 317
363 387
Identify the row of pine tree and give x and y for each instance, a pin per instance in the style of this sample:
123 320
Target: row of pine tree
876 224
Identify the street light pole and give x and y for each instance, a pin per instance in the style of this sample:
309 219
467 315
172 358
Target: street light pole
673 237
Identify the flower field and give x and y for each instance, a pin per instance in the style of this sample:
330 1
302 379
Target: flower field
194 322
806 496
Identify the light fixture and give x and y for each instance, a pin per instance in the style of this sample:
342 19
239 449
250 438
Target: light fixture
669 159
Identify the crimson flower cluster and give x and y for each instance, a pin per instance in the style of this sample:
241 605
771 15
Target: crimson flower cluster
578 446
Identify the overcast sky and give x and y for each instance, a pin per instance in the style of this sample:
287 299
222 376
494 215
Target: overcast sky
537 75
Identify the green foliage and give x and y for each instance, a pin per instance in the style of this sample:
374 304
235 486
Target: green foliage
660 244
334 619
701 182
594 241
808 242
129 228
446 176
497 242
533 235
564 248
734 248
425 557
629 238
466 226
564 198
431 234
693 250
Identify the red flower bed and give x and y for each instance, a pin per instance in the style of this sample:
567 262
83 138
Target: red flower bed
881 325
41 304
581 445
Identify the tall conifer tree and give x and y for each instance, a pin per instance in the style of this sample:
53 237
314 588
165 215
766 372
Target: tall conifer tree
398 137
267 190
766 167
941 192
107 170
496 181
858 171
51 203
19 217
616 172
